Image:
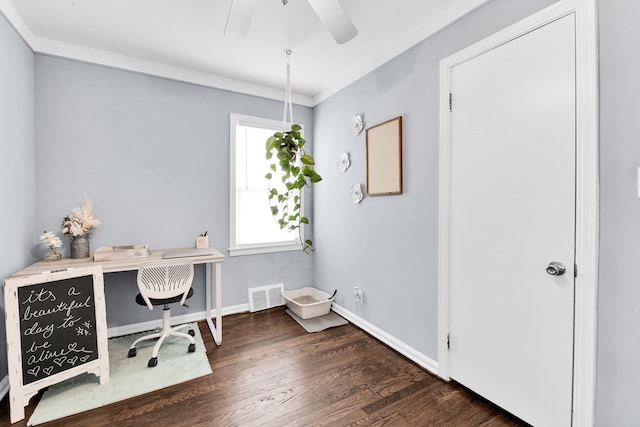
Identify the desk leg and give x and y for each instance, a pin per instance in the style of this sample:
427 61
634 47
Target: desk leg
214 269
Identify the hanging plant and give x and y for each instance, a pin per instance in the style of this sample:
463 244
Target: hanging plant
285 150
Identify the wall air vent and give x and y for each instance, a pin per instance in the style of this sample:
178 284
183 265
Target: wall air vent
265 297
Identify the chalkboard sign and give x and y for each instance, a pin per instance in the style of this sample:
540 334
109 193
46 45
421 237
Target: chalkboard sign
56 329
57 326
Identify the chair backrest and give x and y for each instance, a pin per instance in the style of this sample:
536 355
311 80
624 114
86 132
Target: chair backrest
165 280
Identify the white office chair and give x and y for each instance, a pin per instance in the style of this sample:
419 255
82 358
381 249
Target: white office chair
163 283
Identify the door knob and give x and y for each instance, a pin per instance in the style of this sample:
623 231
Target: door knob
556 268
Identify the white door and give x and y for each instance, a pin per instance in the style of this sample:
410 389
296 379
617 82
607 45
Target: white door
512 206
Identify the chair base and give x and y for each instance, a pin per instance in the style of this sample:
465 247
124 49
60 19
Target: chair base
162 334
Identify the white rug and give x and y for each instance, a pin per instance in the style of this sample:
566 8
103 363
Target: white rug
128 376
320 323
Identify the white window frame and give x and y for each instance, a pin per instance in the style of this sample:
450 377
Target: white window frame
236 249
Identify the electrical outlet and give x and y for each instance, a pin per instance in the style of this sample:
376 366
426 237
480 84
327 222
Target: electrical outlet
358 295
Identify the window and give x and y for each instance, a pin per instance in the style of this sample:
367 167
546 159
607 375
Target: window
252 228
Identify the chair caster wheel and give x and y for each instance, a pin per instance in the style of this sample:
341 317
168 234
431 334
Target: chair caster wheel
192 332
152 362
192 348
132 352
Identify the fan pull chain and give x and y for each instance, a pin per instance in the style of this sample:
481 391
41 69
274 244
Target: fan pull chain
287 94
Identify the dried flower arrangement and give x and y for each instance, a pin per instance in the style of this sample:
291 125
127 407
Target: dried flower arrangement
81 221
51 241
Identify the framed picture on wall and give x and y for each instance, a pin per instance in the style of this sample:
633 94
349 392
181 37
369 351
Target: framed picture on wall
384 158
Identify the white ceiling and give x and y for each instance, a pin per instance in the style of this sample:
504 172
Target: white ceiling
183 39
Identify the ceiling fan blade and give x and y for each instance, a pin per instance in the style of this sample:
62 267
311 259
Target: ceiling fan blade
239 18
335 19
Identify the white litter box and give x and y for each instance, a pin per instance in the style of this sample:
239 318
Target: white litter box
308 302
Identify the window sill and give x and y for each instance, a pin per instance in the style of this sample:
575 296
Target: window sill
264 249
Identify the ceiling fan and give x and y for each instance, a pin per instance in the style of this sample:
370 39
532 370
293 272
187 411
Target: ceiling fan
330 13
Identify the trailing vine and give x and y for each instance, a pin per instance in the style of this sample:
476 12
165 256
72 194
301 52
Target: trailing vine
286 153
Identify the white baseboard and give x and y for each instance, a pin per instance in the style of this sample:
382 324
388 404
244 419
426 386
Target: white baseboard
4 387
117 331
387 339
402 348
391 341
234 309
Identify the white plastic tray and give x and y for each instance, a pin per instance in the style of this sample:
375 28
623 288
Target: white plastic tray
308 302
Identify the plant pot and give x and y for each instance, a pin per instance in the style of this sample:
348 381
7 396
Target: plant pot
79 247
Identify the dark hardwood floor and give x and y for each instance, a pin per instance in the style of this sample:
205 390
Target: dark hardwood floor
271 372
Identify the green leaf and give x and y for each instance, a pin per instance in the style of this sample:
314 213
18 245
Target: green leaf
314 177
297 172
307 159
271 143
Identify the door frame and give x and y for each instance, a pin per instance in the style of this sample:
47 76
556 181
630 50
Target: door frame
587 199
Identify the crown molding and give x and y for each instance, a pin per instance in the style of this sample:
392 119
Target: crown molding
54 48
454 12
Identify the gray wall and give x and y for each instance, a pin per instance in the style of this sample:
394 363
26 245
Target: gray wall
121 153
392 240
619 285
153 155
388 245
17 154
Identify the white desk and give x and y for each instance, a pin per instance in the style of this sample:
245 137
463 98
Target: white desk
214 272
